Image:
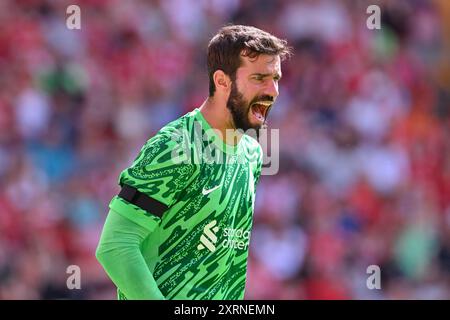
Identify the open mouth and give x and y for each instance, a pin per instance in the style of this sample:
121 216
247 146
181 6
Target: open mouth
259 110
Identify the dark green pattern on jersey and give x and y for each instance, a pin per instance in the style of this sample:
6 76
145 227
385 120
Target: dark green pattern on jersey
199 248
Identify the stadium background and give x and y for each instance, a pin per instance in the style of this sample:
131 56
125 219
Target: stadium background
365 150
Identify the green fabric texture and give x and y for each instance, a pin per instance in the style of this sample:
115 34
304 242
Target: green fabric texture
119 252
198 249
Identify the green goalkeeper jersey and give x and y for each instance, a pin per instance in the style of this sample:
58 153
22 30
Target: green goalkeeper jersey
198 249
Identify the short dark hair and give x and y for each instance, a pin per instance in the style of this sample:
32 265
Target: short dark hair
232 41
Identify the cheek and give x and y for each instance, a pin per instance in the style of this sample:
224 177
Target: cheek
249 94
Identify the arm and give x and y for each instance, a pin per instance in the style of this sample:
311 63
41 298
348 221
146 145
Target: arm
155 174
120 255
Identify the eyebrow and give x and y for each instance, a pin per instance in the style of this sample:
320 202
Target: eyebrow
264 75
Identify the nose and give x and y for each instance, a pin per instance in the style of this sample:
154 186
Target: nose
272 88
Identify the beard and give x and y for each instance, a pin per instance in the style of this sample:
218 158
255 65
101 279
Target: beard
240 110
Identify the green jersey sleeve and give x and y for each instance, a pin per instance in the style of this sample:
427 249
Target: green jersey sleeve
119 253
159 172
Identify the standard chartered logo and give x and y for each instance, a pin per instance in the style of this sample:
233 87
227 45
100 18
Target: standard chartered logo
234 238
209 238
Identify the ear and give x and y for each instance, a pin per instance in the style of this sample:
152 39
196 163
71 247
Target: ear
222 81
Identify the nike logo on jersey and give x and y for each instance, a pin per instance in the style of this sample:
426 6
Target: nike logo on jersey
207 191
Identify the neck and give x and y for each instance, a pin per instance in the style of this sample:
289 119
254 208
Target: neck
219 118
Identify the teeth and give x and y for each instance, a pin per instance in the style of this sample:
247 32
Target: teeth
264 103
258 114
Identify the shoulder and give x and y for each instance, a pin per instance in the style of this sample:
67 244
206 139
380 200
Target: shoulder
176 142
173 133
174 128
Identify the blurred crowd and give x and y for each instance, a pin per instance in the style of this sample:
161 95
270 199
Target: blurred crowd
364 119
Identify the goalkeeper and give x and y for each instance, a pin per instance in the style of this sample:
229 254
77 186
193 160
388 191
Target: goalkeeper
180 226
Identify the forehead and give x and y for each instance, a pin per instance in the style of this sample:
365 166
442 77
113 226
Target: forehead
263 63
